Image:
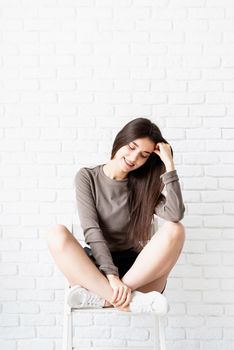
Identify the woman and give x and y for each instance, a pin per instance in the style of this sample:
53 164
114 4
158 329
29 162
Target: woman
126 265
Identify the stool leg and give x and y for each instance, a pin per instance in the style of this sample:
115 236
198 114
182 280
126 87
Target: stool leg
67 328
161 333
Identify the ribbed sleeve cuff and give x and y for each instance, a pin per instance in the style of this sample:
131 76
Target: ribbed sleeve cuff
107 270
169 176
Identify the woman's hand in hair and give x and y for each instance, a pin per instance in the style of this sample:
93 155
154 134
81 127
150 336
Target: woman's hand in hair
163 150
121 293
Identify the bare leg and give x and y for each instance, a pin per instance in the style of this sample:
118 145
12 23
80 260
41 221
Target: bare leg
73 262
154 263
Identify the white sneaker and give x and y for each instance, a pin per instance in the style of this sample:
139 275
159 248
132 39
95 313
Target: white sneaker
79 297
153 302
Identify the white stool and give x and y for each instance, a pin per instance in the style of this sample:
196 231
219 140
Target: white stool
68 329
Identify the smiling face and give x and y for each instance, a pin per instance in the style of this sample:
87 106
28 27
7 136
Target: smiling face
134 154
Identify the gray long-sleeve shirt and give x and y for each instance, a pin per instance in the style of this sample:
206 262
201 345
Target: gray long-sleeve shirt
104 214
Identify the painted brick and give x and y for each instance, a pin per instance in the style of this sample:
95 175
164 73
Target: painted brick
37 344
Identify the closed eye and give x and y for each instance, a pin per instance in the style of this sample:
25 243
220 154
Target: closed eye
131 147
144 156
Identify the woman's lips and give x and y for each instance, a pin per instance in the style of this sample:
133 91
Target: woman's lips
130 165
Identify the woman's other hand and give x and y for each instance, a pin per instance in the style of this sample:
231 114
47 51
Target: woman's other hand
122 293
163 150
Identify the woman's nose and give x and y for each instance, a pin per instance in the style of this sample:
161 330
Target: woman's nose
133 158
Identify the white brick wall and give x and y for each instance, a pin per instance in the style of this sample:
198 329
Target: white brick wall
72 73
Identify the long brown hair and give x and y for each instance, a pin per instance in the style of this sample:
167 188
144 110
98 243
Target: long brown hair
144 183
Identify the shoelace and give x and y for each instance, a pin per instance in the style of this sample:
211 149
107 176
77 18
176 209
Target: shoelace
147 307
90 299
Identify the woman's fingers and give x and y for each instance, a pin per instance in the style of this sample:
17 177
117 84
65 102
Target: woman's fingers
119 296
120 293
128 299
115 296
123 296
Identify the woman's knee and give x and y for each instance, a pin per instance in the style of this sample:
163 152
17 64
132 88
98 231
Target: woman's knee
57 236
175 231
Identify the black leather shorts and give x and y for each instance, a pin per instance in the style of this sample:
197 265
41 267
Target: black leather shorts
122 259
